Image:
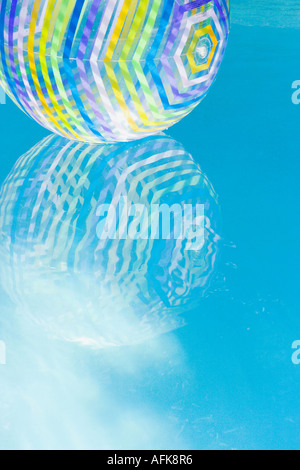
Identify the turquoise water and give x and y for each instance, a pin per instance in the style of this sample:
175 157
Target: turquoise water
225 380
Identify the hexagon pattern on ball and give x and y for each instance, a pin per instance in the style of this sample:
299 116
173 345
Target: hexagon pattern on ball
110 70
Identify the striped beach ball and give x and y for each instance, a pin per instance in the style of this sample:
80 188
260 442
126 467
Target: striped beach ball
110 70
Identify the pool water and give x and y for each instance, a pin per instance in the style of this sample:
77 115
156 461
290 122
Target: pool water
213 366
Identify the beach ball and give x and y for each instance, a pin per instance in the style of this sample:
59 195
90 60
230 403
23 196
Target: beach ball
110 70
131 284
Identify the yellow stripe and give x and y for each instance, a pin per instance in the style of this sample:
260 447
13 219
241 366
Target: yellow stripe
123 21
42 53
190 54
32 65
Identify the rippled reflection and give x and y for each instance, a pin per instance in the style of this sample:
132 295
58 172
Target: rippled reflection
85 289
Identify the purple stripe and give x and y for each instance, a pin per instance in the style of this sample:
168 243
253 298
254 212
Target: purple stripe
24 96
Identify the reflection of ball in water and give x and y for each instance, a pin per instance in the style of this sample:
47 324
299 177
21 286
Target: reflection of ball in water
110 70
114 290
